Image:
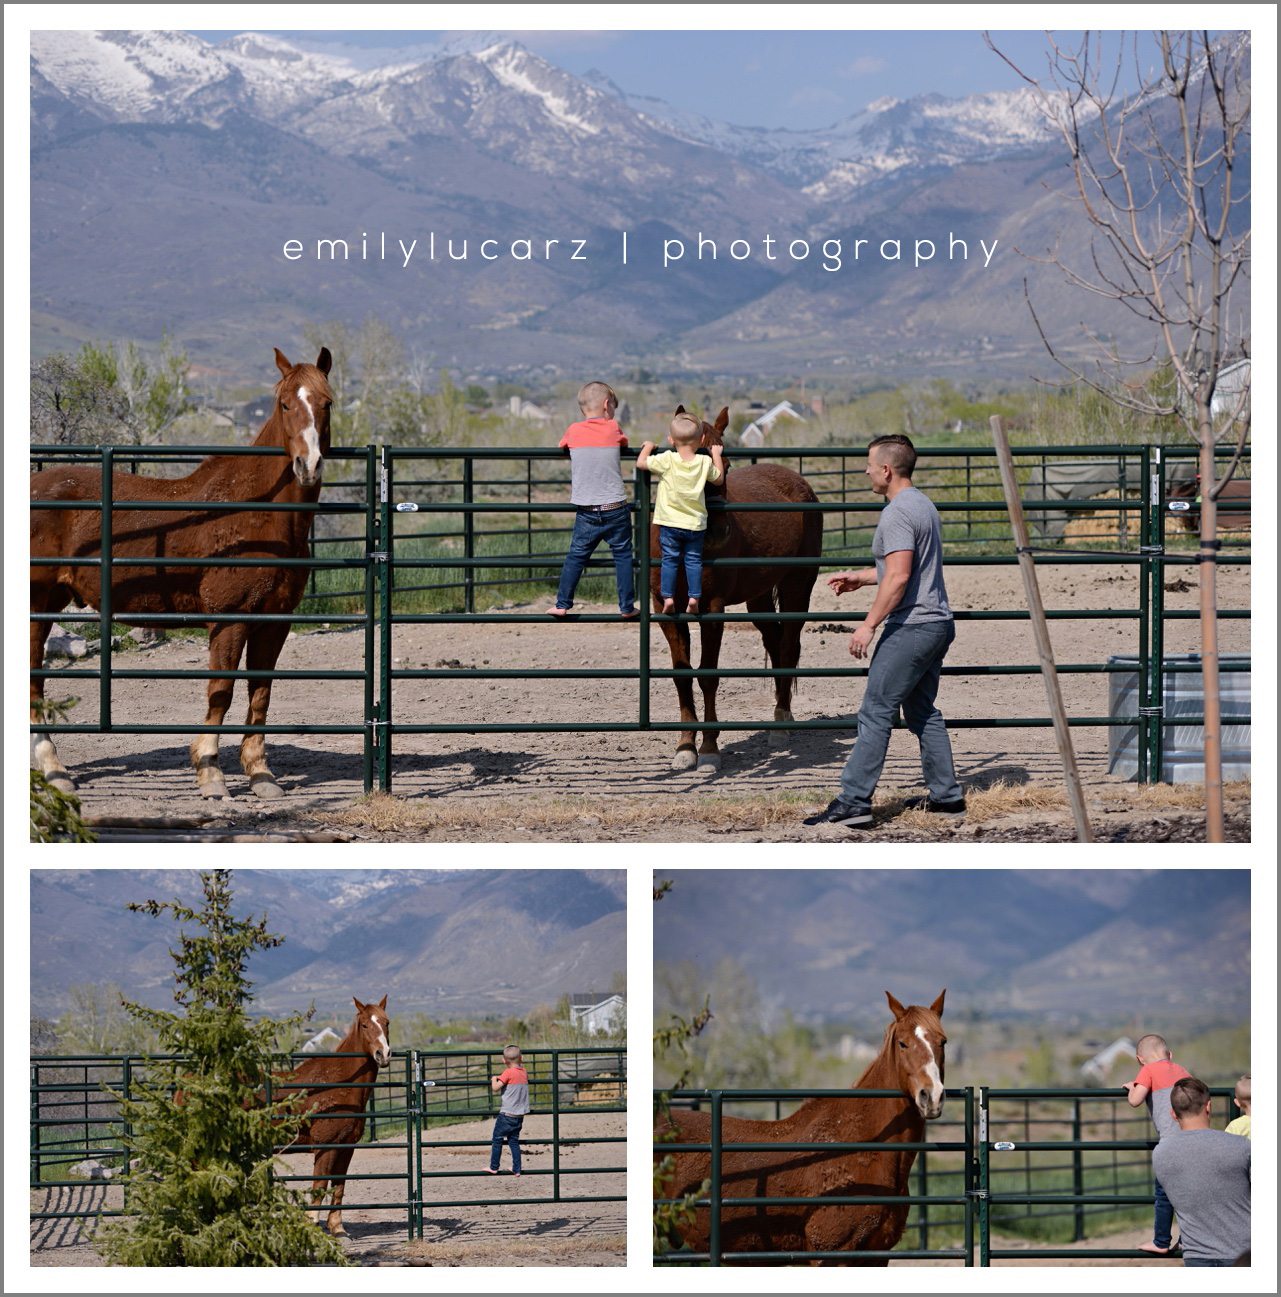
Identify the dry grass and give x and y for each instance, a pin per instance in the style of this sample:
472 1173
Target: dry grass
602 1249
383 814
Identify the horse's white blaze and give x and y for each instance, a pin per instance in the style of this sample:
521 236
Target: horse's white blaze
931 1068
383 1046
310 435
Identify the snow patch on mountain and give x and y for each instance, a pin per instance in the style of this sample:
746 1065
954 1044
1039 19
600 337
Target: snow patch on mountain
510 65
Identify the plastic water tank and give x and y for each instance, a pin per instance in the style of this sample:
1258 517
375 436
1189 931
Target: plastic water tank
1182 694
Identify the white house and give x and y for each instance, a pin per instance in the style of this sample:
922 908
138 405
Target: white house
598 1014
523 409
1232 391
1095 1070
756 431
325 1041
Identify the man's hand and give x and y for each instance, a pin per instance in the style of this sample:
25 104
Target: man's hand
861 640
844 582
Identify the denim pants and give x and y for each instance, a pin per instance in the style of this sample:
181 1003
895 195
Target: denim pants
681 548
590 528
1162 1216
506 1131
904 672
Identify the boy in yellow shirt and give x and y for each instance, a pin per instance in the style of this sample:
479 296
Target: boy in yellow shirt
1241 1097
680 510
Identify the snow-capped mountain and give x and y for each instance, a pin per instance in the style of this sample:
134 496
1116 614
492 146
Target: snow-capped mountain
164 165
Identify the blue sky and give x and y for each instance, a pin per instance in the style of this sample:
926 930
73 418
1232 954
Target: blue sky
783 78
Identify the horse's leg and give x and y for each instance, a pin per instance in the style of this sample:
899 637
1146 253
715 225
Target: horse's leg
265 642
226 640
772 637
709 754
677 635
320 1171
342 1160
793 596
45 596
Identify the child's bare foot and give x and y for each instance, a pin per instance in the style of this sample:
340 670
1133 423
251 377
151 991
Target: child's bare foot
669 607
691 608
557 612
1152 1247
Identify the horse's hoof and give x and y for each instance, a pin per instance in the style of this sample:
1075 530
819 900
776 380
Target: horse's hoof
710 761
61 782
778 739
214 788
266 787
685 759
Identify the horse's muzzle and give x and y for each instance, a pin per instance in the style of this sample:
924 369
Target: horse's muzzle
308 476
930 1109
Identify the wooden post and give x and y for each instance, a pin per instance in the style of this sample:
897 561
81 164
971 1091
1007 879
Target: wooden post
1062 734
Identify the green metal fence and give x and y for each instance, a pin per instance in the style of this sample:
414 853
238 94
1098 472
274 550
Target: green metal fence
413 1105
376 531
1000 1170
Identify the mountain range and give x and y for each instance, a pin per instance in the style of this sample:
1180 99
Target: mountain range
443 942
1078 945
169 173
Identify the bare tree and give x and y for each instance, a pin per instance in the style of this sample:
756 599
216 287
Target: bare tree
1161 174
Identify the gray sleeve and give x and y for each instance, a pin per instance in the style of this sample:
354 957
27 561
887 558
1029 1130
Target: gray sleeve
897 531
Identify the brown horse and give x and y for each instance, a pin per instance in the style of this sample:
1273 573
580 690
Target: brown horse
763 588
337 1094
1235 493
299 428
911 1062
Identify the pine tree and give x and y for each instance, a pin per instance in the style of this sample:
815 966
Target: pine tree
202 1130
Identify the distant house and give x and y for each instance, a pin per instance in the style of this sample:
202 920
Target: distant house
522 409
1095 1070
325 1042
597 1014
1232 391
764 424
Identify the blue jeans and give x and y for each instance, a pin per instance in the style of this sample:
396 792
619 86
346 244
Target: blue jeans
904 672
1162 1216
590 528
681 548
506 1131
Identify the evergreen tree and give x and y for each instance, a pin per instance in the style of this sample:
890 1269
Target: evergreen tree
203 1132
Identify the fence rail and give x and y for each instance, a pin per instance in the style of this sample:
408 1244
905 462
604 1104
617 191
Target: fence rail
76 1115
996 1174
389 490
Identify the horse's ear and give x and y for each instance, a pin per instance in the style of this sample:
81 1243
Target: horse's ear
895 1007
323 362
937 1007
360 1008
722 419
281 363
382 1004
680 409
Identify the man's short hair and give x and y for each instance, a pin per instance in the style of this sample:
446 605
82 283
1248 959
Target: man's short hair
897 451
686 429
1152 1044
593 394
1189 1096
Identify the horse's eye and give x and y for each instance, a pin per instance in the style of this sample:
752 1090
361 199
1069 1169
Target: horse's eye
902 1044
284 405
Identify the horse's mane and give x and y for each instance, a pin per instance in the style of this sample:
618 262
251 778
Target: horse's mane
311 374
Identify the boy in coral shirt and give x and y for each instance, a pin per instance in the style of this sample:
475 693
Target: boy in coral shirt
1157 1074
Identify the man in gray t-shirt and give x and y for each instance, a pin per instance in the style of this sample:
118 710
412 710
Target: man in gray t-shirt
1206 1173
911 602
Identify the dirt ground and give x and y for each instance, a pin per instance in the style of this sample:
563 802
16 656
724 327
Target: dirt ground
520 787
534 1232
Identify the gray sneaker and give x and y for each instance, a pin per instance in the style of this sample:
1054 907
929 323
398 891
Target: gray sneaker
839 812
